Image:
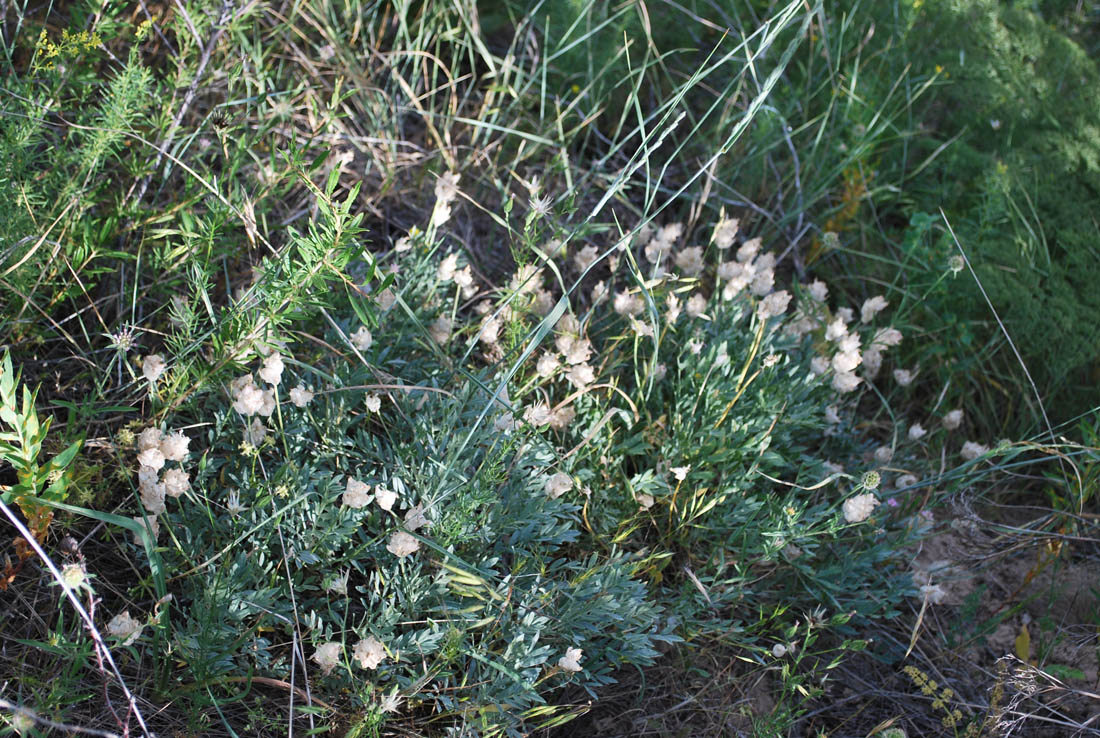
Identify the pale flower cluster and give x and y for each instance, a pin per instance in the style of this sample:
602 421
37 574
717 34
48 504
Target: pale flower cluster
858 508
446 190
571 661
155 450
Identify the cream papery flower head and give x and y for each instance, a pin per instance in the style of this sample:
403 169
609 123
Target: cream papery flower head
255 433
953 419
916 432
725 231
440 330
628 304
327 656
728 270
571 661
749 250
845 314
680 472
543 302
656 250
763 282
581 375
248 399
272 370
153 527
152 458
149 438
972 450
600 291
369 652
384 497
641 328
174 446
660 372
547 364
362 338
690 261
586 257
576 350
402 544
447 267
845 382
126 627
300 396
464 278
696 305
526 280
819 365
152 367
339 585
672 308
267 407
490 330
836 330
356 493
176 482
883 454
670 233
558 485
872 362
903 377
859 508
373 402
832 415
872 306
561 417
774 305
886 337
817 290
537 414
848 356
446 187
152 498
415 519
645 501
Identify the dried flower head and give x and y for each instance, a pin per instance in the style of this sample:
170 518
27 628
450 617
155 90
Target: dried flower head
859 508
300 396
327 656
384 497
916 432
272 370
571 661
152 458
176 482
356 493
903 377
174 446
872 307
149 438
369 652
126 627
953 420
152 367
402 544
972 450
749 250
774 304
558 484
